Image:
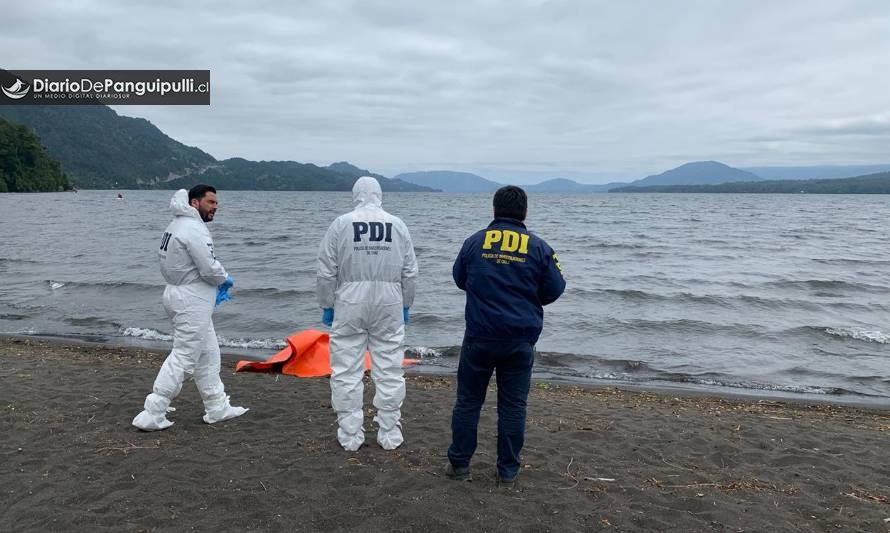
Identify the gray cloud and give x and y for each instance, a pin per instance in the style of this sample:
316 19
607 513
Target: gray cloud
875 125
595 90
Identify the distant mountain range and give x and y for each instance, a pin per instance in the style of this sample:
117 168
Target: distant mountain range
97 148
448 181
564 186
241 174
817 172
697 173
700 172
870 184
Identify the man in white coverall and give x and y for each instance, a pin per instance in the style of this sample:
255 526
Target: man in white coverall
365 283
193 276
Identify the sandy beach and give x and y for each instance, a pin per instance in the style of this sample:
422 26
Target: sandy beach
595 459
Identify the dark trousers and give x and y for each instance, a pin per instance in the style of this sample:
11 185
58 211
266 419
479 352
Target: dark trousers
478 359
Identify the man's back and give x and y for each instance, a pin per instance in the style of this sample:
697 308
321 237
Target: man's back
509 275
366 254
369 245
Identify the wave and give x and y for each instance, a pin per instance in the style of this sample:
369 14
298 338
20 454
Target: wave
631 294
841 261
55 284
429 319
684 325
423 352
252 344
635 294
826 284
826 294
760 386
248 343
564 364
721 242
9 260
837 333
13 316
434 354
629 373
593 367
91 321
270 292
778 303
649 281
146 334
27 331
263 292
621 245
639 373
646 255
705 299
859 334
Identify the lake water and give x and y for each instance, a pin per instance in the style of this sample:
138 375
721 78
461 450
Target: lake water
771 295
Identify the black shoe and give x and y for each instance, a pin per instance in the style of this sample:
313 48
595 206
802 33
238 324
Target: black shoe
457 473
505 483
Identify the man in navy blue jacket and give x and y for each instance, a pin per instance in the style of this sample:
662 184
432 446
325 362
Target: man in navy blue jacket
509 274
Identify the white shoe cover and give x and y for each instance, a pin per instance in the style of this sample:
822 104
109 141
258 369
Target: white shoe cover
149 422
392 439
154 415
353 442
224 412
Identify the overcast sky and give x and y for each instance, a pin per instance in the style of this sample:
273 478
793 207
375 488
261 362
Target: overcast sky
525 90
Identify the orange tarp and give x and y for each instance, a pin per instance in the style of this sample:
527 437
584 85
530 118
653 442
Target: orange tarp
307 355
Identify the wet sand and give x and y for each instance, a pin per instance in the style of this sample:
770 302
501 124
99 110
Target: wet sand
594 458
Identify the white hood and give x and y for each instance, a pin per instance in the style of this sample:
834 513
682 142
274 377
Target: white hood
367 193
179 204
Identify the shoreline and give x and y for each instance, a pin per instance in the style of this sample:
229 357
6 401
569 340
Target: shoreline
664 389
594 459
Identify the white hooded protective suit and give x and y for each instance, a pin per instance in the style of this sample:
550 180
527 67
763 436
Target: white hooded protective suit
366 272
192 274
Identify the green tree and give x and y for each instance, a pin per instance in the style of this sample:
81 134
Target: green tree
24 164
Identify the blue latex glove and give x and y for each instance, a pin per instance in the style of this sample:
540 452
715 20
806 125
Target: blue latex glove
405 314
327 316
222 291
